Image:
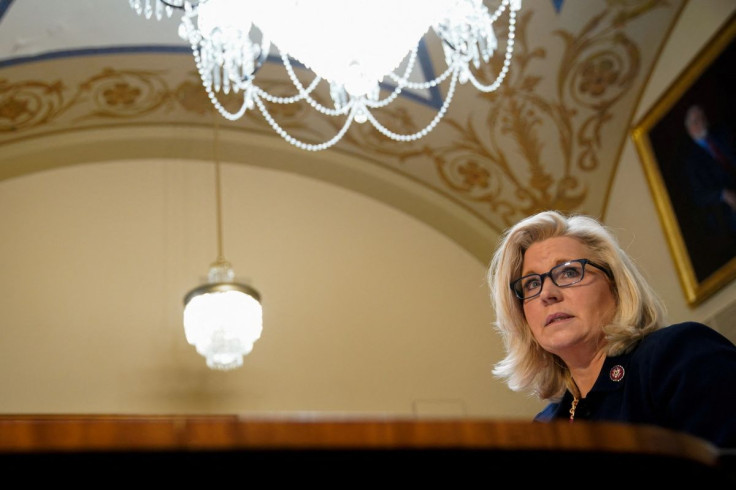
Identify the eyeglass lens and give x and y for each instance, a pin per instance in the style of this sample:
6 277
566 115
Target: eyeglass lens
562 275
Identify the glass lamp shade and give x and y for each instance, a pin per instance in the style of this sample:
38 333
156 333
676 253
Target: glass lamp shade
223 320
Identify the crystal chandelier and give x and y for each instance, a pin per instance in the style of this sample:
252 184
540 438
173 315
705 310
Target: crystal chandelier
355 47
222 318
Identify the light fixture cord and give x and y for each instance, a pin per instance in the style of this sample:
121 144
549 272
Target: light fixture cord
218 195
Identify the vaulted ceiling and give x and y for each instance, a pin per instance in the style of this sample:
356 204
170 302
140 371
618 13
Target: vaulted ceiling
83 71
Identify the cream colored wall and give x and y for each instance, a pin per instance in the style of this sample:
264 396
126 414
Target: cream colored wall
636 219
366 310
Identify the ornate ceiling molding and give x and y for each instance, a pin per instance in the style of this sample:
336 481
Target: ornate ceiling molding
549 138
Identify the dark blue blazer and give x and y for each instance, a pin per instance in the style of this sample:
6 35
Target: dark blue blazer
681 377
705 176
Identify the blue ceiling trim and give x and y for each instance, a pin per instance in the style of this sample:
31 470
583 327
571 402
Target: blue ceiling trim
433 99
70 53
4 6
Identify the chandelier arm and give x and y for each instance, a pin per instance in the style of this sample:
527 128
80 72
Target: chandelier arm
298 143
429 127
260 61
180 5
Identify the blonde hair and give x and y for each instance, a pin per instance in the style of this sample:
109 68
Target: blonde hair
529 368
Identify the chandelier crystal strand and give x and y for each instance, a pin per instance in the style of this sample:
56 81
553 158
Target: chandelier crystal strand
305 94
506 61
300 144
401 83
422 132
231 39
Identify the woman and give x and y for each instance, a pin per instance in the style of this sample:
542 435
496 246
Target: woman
583 330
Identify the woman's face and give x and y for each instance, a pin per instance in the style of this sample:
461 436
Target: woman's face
566 320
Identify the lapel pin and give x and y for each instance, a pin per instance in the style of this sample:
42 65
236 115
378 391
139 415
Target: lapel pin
616 373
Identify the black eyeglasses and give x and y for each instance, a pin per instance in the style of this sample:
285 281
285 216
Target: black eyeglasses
563 275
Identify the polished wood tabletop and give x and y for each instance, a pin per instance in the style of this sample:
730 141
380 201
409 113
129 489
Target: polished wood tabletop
483 443
75 432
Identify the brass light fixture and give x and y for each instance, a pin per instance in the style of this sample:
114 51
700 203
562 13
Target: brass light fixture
222 318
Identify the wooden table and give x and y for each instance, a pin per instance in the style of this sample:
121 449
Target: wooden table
323 449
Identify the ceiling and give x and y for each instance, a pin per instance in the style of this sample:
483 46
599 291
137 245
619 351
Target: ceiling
550 137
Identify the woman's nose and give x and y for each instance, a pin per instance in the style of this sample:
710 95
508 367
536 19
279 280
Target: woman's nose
550 291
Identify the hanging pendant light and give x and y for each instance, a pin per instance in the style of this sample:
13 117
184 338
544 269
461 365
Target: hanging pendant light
222 318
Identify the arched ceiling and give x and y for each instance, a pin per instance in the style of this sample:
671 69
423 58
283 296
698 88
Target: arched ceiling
83 81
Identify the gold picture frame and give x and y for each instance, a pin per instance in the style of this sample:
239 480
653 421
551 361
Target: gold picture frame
703 248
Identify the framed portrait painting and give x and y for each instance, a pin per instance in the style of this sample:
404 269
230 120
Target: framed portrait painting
687 144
